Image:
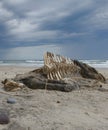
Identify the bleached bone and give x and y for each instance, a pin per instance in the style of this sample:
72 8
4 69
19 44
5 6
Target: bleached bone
59 67
10 85
58 73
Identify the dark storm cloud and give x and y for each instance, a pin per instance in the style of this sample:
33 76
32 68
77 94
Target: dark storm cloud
78 27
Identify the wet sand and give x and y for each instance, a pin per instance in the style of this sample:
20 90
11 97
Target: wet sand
53 110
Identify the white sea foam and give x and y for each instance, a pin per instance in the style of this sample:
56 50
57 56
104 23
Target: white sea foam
97 63
30 61
39 63
36 63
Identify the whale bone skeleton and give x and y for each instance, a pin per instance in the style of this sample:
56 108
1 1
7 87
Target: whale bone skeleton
58 73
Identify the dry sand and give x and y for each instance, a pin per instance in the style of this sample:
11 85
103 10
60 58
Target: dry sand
53 110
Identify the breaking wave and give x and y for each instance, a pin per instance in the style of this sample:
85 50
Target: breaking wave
39 63
97 63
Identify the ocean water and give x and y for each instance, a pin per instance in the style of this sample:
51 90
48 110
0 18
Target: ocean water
29 63
97 63
39 63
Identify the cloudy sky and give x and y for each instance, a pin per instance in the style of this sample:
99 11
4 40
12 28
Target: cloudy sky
74 28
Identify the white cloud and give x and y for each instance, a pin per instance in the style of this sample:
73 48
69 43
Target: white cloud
24 20
56 10
20 26
36 14
98 18
24 30
5 14
75 34
15 2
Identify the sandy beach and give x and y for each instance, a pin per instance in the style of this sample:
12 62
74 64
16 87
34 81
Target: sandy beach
53 110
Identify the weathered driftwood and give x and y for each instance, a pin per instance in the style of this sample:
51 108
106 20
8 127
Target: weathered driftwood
60 73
